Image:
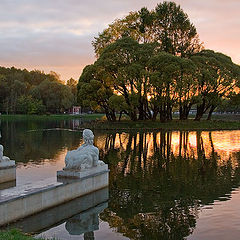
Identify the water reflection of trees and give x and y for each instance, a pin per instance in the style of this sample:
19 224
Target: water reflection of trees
35 141
157 187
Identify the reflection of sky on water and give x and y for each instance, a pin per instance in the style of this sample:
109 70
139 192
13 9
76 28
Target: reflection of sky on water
32 171
212 224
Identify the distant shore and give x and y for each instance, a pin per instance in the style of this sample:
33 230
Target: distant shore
172 125
98 122
20 117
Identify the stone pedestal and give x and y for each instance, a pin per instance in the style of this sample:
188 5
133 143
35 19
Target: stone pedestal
21 201
76 174
7 164
7 185
7 171
92 203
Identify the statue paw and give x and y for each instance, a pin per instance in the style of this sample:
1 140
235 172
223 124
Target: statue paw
5 159
100 163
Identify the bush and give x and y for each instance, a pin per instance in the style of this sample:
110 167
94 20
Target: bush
29 105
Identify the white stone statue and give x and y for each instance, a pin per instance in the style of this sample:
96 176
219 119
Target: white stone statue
5 161
86 156
3 158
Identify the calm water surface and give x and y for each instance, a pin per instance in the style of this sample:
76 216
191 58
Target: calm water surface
163 185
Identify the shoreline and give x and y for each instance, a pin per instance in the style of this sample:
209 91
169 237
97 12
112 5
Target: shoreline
174 125
96 122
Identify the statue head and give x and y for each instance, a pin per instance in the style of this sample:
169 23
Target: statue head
88 136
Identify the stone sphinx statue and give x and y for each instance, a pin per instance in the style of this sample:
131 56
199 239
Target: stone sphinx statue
5 162
3 158
86 156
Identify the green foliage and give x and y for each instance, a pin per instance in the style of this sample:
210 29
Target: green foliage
172 81
22 91
124 64
55 96
127 51
154 61
15 235
217 77
72 83
117 102
232 104
167 24
29 105
150 81
94 90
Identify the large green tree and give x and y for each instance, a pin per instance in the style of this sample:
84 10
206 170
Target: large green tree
153 62
124 63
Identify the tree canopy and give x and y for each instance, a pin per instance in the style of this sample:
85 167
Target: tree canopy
167 24
33 92
152 63
142 81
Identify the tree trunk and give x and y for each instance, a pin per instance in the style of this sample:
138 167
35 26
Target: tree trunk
148 113
181 112
154 116
163 114
169 112
113 116
210 112
120 115
200 111
133 116
184 111
140 112
110 115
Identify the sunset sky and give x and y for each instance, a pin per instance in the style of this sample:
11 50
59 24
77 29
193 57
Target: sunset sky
56 34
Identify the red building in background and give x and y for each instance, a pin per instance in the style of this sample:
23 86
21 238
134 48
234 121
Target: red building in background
75 110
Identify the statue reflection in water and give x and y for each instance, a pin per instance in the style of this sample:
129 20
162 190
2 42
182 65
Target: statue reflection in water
86 222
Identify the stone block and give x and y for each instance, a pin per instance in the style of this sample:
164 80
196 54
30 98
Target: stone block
7 174
76 174
21 202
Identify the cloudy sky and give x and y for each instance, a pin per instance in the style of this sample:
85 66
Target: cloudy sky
56 34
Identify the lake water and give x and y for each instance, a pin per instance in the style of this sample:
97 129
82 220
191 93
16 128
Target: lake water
163 185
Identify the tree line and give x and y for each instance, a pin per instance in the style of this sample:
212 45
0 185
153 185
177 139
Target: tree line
151 63
34 92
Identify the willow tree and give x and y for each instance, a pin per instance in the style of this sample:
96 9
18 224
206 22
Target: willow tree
124 63
171 80
217 77
167 24
94 90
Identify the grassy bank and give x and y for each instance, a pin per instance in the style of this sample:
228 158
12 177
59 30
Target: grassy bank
19 117
93 121
173 125
16 235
